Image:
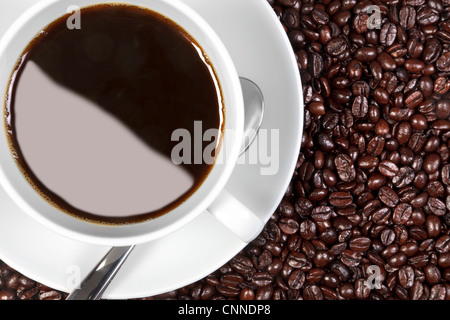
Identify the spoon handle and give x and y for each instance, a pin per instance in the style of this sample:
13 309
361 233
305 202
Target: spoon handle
95 284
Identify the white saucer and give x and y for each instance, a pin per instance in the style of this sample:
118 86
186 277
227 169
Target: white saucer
262 53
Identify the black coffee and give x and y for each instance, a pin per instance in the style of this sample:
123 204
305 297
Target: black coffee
91 111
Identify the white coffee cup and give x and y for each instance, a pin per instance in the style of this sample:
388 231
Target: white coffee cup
210 196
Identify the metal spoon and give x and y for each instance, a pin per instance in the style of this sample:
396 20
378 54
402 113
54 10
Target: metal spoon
98 280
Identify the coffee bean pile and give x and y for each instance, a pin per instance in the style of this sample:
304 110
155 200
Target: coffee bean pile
15 286
367 213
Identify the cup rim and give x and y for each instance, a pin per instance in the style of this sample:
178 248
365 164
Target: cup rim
137 232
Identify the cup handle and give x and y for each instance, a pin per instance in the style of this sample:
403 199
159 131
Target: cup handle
236 217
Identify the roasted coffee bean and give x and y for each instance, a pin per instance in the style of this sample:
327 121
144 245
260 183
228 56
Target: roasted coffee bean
247 294
241 264
320 17
321 259
312 292
416 291
427 16
303 206
316 65
387 236
296 279
307 230
388 168
360 106
346 291
341 223
330 280
286 208
407 17
360 244
231 279
381 96
264 259
404 177
431 163
375 147
443 108
413 99
53 295
397 260
228 292
386 61
351 258
288 225
297 260
419 260
322 213
388 196
264 293
365 54
362 290
367 162
444 260
7 294
438 292
441 86
336 46
433 225
388 33
345 168
381 215
402 213
291 18
436 206
262 279
406 276
432 274
409 248
414 65
432 50
340 199
443 63
360 23
329 236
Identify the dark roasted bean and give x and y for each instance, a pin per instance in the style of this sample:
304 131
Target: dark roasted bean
297 260
386 61
443 63
388 196
436 206
388 168
312 292
388 33
291 18
336 46
407 16
397 260
340 199
360 244
288 225
345 168
419 260
296 279
406 276
402 213
432 274
351 258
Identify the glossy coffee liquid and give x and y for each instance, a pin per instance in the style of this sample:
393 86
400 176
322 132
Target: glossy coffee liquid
91 111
